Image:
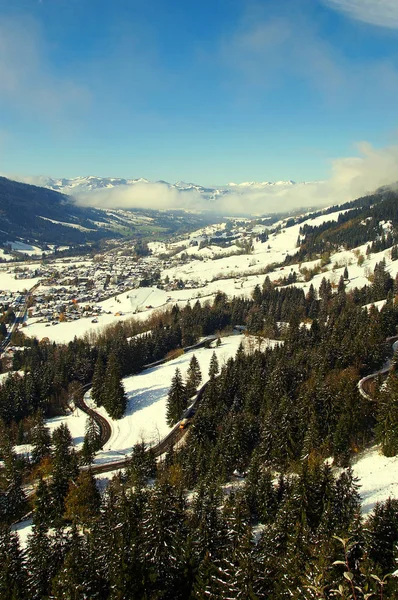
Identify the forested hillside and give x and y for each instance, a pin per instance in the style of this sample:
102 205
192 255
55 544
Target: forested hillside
28 211
166 530
360 222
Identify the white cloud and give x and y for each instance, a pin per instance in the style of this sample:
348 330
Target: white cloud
383 13
350 178
141 195
27 81
268 52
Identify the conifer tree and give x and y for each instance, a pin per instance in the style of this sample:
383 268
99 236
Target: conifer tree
40 563
64 469
70 582
91 442
141 466
12 496
117 550
164 534
207 522
114 396
97 389
194 377
176 400
387 426
40 439
214 368
42 505
382 533
83 500
12 567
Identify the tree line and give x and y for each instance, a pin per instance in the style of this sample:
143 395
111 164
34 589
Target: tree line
168 530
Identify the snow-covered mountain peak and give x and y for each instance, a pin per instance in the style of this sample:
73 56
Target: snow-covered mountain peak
261 184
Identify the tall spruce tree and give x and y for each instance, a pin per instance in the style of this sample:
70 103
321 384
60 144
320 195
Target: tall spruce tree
71 582
387 426
97 389
214 368
12 567
64 469
40 563
164 535
176 400
194 377
114 395
40 439
91 442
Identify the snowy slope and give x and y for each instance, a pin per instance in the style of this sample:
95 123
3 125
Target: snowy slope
208 271
378 478
145 418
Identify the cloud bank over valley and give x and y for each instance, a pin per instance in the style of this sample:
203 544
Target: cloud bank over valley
350 178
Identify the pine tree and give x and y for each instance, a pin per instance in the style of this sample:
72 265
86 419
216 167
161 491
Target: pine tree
382 532
207 522
91 442
83 500
164 534
387 426
114 396
97 389
176 400
42 505
40 563
12 567
40 439
194 377
214 368
141 466
116 544
64 469
12 496
70 582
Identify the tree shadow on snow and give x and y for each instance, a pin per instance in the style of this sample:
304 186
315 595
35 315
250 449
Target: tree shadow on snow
144 398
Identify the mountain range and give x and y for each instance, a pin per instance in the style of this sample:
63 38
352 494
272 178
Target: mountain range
42 215
82 186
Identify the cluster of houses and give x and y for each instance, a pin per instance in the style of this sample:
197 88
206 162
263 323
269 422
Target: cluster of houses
71 288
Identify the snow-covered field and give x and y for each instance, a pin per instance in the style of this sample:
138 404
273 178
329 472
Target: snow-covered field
212 270
10 284
26 248
145 418
378 478
207 271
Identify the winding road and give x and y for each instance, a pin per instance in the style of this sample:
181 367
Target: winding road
175 435
170 440
365 384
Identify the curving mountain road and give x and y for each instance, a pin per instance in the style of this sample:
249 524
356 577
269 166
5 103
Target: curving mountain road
365 384
170 440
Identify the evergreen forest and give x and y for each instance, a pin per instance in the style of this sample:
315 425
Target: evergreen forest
275 418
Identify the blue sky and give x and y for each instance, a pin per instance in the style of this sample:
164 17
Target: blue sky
211 91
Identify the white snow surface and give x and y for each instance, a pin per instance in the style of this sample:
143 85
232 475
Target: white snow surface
378 478
145 417
25 248
206 272
76 422
211 270
10 284
24 529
